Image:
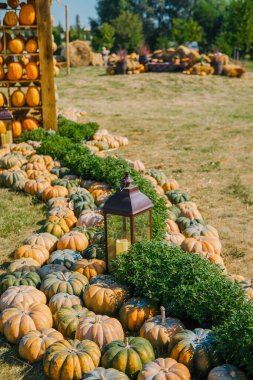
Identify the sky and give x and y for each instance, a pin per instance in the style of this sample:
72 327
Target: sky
85 8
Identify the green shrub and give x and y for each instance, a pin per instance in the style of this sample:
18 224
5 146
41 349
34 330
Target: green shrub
188 285
35 135
77 132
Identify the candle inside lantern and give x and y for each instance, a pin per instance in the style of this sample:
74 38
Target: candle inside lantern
9 137
3 139
122 246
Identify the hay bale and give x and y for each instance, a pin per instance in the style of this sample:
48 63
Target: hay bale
80 53
96 59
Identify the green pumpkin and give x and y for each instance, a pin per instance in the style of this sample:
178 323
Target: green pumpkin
67 319
60 171
19 278
12 159
68 183
158 175
10 178
105 374
57 227
94 251
66 258
184 223
128 355
19 185
99 237
58 282
200 229
82 206
49 269
196 350
177 196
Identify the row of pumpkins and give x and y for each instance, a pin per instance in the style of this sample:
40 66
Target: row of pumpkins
59 305
22 70
103 140
18 44
26 17
18 127
19 98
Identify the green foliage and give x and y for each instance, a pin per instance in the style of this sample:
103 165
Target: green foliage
186 31
82 162
110 9
103 36
34 135
128 31
188 286
235 337
77 132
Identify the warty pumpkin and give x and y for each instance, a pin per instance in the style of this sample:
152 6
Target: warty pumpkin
33 96
195 349
101 329
18 320
15 71
90 268
23 295
73 240
68 282
10 18
101 373
60 300
16 45
32 71
159 330
16 128
164 369
31 45
71 359
128 355
56 226
67 258
33 345
27 14
23 265
227 372
135 312
104 295
54 192
19 278
30 123
67 319
45 240
36 252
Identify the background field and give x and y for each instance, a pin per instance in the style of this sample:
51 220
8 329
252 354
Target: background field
199 130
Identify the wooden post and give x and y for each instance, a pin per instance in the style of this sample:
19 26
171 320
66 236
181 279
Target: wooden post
46 63
67 38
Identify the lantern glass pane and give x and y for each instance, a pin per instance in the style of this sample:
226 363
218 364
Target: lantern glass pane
142 227
118 236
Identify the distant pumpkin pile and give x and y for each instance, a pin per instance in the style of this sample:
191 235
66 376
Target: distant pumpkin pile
59 305
103 140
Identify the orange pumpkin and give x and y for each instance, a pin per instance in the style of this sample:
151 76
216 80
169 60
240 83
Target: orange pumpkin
10 18
3 99
16 45
27 15
202 244
2 72
31 45
54 192
2 127
21 295
30 123
90 268
164 369
33 96
32 71
16 129
15 71
13 3
172 227
36 252
18 98
73 240
170 184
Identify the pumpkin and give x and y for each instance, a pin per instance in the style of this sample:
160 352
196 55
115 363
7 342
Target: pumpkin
172 227
71 359
24 295
13 3
94 251
15 71
16 128
2 72
31 45
3 102
201 230
101 373
68 282
18 320
128 355
23 265
195 349
68 217
33 345
19 278
11 160
10 18
18 98
33 187
164 369
35 174
135 312
90 268
174 238
67 319
24 61
16 45
60 300
159 330
66 258
58 202
227 372
2 126
33 96
56 226
50 268
27 14
36 252
32 71
170 184
101 329
73 240
184 223
30 123
46 240
60 171
104 295
202 244
68 183
9 178
19 185
177 196
61 212
54 192
189 210
35 166
90 219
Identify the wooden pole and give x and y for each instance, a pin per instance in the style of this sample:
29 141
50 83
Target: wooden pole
46 64
67 38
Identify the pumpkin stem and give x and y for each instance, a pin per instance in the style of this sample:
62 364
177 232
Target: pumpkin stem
64 277
163 314
126 341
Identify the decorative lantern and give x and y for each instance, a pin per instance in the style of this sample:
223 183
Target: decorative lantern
6 119
128 219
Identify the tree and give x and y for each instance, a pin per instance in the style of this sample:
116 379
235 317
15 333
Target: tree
109 10
128 31
57 31
186 31
104 36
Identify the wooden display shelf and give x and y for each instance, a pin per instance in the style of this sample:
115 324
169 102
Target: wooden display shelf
25 108
18 55
20 81
18 27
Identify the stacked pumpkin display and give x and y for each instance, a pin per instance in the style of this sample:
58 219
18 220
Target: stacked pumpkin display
59 305
103 140
19 66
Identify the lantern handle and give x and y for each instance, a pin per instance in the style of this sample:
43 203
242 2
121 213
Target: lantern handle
126 182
